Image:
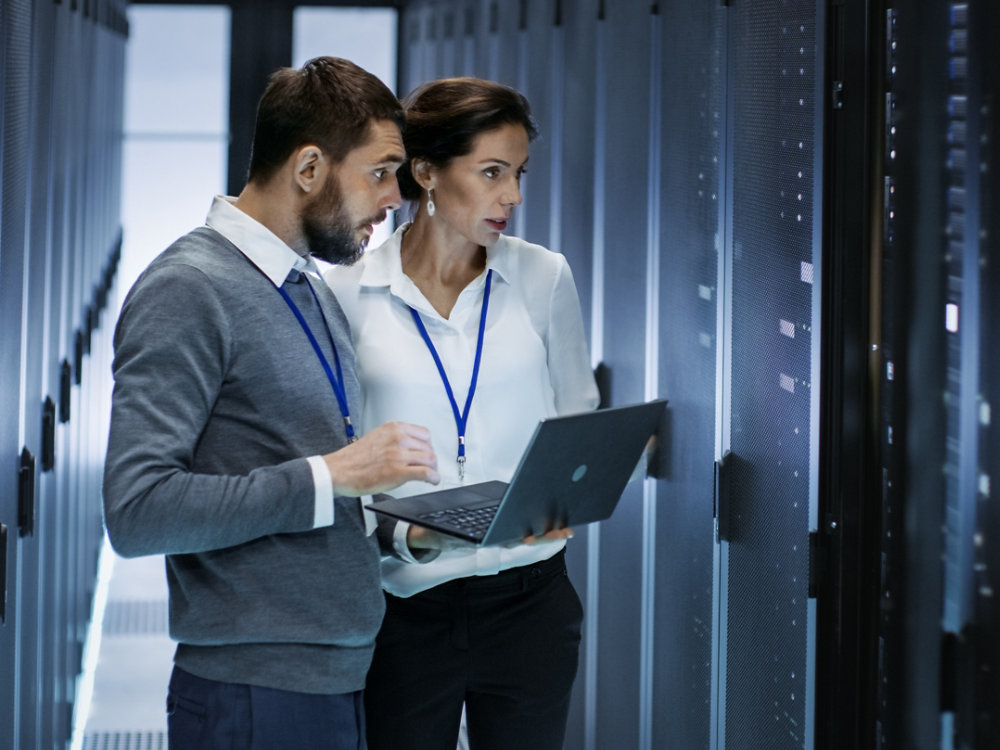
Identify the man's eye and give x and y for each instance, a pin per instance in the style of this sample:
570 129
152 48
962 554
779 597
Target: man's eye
380 174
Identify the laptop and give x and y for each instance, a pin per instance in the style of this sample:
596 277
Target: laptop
573 472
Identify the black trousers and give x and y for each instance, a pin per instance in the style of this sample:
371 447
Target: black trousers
507 646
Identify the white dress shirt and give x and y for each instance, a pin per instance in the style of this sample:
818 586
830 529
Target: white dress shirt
535 364
275 259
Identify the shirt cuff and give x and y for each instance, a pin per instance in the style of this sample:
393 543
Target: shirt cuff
399 545
323 483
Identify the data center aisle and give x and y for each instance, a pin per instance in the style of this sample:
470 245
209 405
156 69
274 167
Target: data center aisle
134 659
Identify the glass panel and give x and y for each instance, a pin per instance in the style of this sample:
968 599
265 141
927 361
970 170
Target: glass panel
176 126
172 87
366 36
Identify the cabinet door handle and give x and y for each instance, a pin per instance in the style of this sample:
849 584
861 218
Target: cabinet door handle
26 494
48 434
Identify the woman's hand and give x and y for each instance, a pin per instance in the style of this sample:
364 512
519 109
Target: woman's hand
556 535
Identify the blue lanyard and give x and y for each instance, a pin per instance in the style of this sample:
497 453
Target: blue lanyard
336 381
461 419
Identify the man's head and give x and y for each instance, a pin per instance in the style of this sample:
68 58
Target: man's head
337 130
330 102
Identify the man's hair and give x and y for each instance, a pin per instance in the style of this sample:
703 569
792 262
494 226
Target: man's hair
330 102
444 117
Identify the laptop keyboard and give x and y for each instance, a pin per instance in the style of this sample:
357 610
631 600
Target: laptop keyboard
472 521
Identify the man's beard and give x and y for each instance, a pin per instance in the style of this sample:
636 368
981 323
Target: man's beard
329 230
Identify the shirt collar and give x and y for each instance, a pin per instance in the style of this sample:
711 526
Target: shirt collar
384 267
260 245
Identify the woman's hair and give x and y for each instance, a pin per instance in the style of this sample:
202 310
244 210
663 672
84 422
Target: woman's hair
444 117
330 102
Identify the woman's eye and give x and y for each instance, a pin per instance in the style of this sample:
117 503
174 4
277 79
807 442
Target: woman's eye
491 173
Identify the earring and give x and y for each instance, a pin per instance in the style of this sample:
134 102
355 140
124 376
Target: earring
431 208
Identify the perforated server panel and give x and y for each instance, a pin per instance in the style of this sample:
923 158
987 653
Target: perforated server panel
61 78
775 50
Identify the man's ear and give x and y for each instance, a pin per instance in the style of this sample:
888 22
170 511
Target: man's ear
423 173
310 167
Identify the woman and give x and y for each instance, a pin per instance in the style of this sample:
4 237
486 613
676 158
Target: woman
478 336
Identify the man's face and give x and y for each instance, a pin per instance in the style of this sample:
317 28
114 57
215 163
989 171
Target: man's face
357 195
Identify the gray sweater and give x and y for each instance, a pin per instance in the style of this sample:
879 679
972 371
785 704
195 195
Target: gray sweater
218 400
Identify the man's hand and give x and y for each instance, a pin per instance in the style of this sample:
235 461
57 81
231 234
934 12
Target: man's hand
388 456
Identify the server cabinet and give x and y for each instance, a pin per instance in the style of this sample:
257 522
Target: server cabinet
62 86
621 558
972 520
51 387
661 124
19 470
689 125
912 340
978 669
768 506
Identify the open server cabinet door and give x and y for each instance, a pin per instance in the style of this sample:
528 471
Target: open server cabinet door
939 619
908 613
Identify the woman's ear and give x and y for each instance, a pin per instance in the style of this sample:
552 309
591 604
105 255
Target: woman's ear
423 173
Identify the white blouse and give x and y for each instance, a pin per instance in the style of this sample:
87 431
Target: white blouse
535 364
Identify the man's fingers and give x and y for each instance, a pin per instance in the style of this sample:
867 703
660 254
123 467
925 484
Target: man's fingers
413 431
386 457
423 474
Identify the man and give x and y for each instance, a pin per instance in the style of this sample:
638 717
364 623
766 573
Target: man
231 442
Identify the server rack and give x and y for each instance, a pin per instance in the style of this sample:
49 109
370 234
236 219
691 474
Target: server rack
62 82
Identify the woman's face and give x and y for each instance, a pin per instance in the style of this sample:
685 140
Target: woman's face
475 194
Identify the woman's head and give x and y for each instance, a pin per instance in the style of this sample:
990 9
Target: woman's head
444 118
